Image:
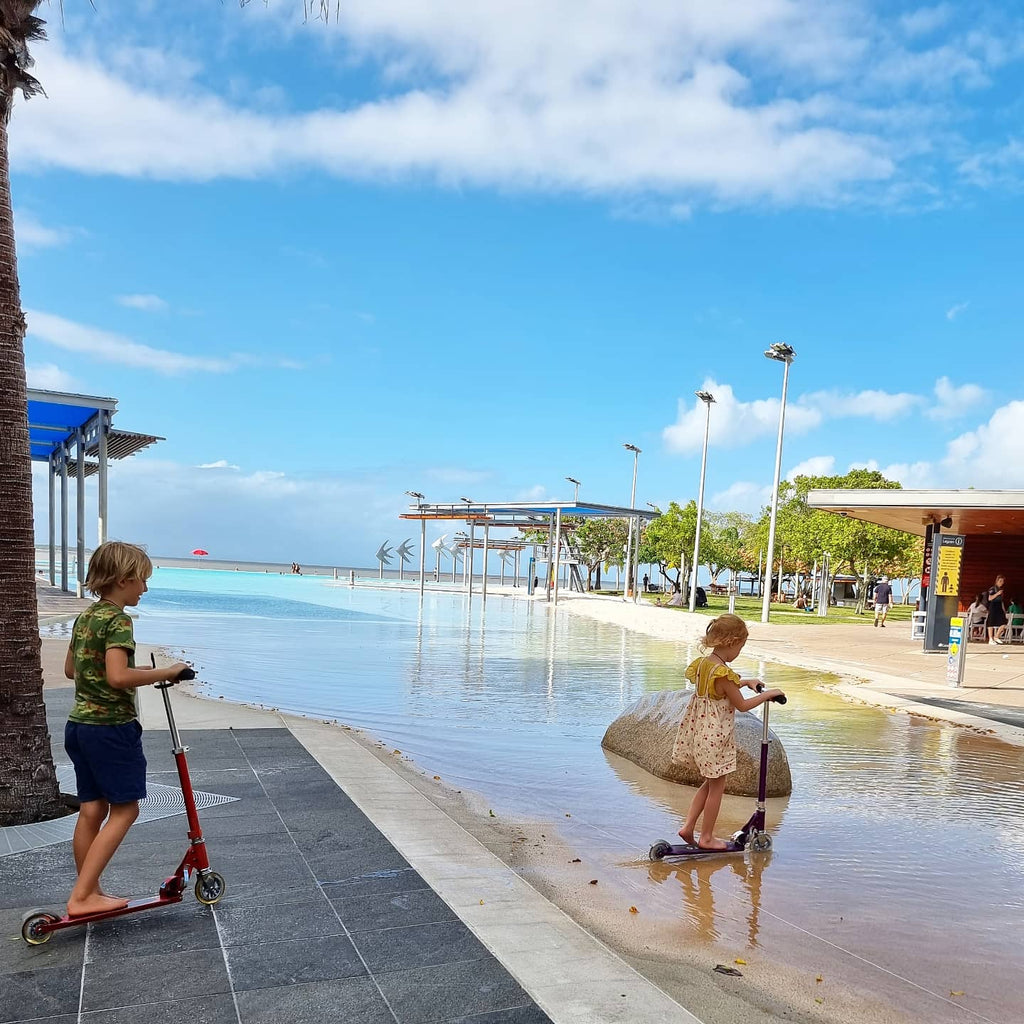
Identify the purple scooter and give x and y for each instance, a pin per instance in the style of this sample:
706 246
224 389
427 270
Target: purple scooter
753 835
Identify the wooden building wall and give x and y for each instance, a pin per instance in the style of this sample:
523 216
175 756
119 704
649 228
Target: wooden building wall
985 557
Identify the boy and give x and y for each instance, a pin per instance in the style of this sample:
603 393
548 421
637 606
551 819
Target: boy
103 736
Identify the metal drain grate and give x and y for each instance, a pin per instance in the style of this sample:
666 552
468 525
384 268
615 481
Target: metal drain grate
161 802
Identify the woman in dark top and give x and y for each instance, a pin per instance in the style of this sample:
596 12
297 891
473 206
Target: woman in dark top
996 614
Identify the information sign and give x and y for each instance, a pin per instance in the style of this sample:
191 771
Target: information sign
956 652
947 583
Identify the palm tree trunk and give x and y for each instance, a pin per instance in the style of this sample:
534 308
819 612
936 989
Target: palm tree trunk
28 784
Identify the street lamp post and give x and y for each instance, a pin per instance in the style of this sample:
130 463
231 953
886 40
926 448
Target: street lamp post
628 588
423 534
708 399
576 493
467 562
784 354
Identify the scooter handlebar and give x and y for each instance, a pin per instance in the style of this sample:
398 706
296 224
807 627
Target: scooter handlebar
182 677
781 699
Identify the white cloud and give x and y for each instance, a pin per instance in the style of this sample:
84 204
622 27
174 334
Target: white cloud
909 474
147 303
817 465
926 19
621 103
114 348
742 496
994 165
219 464
956 309
953 401
30 233
992 455
735 423
50 377
246 515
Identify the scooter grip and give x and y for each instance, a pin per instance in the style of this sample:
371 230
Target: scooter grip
779 700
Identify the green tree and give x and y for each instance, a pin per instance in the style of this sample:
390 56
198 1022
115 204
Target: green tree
668 541
599 542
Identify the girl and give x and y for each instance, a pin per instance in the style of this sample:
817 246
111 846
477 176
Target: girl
706 731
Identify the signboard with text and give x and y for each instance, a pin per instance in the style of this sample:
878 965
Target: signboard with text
947 554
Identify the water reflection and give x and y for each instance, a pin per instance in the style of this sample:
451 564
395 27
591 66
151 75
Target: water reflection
694 879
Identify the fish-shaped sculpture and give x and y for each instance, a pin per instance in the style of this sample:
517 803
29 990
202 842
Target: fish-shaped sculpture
439 545
403 551
384 554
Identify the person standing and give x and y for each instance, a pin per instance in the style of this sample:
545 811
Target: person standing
996 612
883 600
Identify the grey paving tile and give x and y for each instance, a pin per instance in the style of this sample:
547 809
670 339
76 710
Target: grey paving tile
389 880
63 950
393 910
341 865
205 1009
531 1014
116 983
171 829
37 878
421 945
244 923
346 835
259 965
48 992
259 896
186 926
338 1001
451 991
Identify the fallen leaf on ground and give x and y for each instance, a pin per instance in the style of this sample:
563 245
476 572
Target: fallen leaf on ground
568 815
492 814
481 903
633 910
575 860
817 1000
958 993
437 778
593 881
819 979
739 961
731 971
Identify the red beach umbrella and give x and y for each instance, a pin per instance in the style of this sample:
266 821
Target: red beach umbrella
200 551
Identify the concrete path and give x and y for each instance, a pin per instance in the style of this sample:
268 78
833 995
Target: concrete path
350 897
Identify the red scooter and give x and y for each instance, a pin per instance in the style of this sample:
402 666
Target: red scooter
38 925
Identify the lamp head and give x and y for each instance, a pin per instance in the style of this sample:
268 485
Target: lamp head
468 501
781 352
705 396
415 494
946 523
630 447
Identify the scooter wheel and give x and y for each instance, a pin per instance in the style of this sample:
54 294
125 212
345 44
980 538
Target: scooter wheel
660 849
32 927
210 887
761 842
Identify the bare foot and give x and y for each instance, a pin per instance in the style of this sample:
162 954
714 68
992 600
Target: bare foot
95 903
713 844
687 837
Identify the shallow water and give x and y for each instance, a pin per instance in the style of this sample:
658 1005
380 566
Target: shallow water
901 845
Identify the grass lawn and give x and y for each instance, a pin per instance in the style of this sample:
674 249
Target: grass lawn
750 608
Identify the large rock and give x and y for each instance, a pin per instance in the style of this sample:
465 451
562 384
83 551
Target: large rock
646 731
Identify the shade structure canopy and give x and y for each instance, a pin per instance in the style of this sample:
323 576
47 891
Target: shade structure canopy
958 511
73 435
528 514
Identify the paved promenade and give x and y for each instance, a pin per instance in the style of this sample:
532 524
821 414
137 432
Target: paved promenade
350 897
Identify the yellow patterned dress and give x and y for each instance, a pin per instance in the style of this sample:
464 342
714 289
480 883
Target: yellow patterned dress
706 731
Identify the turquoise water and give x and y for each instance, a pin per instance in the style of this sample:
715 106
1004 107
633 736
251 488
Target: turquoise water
899 829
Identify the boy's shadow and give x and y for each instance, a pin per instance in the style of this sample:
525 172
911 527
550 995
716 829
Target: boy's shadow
694 878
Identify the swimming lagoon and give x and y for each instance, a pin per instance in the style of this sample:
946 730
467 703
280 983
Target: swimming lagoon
898 869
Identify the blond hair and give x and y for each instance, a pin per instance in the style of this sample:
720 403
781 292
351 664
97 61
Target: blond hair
114 561
726 629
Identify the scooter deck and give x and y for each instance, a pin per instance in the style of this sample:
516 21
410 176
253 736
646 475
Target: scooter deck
144 903
664 850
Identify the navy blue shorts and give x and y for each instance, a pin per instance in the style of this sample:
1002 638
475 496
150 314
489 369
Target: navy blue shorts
108 759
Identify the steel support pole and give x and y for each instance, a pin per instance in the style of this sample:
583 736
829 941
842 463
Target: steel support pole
80 511
487 533
629 535
549 563
558 550
423 552
770 554
52 520
101 519
469 557
64 518
700 509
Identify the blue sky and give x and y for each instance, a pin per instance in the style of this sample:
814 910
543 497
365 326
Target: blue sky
471 248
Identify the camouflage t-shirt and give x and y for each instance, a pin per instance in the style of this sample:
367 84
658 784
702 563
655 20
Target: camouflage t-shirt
101 626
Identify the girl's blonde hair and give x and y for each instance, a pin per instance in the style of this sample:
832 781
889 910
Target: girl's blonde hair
114 561
726 629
